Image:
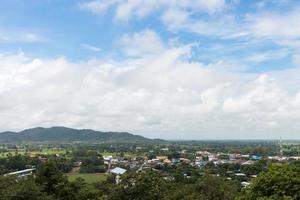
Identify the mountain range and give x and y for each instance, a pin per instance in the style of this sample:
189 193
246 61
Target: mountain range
64 134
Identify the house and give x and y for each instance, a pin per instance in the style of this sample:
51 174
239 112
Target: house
107 158
212 157
183 151
203 153
43 159
118 171
185 160
245 184
200 163
175 160
167 161
138 148
161 157
242 156
240 174
77 164
255 157
248 162
154 160
22 173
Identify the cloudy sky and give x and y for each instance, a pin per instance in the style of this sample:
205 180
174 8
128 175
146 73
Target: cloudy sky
180 69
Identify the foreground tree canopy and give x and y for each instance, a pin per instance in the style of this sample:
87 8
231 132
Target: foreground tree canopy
278 182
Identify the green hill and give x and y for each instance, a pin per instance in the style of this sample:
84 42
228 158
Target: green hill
63 134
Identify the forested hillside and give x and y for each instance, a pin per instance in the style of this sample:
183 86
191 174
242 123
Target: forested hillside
63 134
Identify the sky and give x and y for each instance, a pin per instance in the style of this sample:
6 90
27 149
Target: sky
171 69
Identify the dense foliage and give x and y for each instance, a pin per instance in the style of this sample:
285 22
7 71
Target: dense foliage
55 163
49 184
278 182
63 134
17 162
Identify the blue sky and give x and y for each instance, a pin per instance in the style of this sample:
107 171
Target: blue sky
67 28
162 68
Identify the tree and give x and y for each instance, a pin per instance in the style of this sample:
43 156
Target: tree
140 186
278 182
217 188
254 169
63 164
21 190
49 184
49 177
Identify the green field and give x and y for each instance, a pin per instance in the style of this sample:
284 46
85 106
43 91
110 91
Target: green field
48 152
89 178
60 152
34 153
13 153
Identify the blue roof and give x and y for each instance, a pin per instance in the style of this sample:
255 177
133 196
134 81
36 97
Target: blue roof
255 157
118 170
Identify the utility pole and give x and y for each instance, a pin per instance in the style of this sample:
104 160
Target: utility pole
280 147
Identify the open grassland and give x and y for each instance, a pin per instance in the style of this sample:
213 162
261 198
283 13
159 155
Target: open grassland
60 152
47 152
32 153
89 178
13 153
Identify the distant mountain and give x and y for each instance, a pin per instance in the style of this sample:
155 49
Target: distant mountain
63 134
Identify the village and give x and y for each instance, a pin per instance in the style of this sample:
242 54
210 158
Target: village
202 159
171 162
107 166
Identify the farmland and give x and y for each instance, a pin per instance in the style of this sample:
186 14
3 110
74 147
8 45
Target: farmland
32 153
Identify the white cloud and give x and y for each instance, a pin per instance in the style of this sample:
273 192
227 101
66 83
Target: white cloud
155 88
178 15
275 25
90 47
126 10
160 96
268 55
98 6
9 36
279 27
141 43
174 18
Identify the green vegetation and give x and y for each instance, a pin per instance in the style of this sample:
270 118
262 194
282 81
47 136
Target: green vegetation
48 152
6 154
67 135
79 171
89 178
280 182
150 186
32 153
49 184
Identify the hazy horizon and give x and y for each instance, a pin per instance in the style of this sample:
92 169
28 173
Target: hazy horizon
168 136
194 69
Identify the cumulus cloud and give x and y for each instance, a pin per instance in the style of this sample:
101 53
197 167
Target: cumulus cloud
159 94
276 25
141 43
